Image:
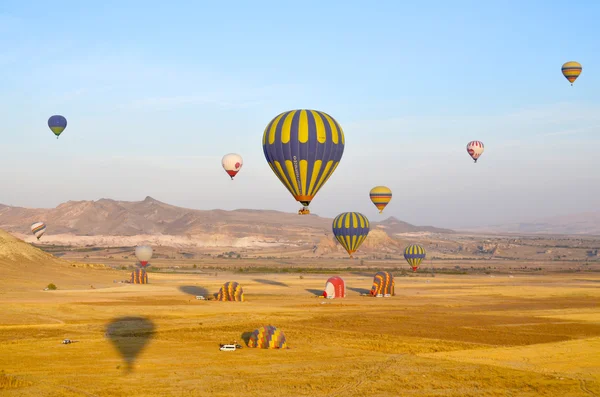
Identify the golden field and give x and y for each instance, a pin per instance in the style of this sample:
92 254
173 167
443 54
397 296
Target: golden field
452 335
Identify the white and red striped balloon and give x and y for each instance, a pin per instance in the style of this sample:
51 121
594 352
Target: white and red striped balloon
475 149
232 163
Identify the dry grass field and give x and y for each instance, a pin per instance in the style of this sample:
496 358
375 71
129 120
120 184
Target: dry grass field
449 335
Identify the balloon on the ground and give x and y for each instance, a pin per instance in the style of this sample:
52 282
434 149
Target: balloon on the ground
383 285
139 276
414 255
38 229
231 291
303 148
380 196
475 149
268 337
57 124
350 229
232 163
335 287
571 70
143 253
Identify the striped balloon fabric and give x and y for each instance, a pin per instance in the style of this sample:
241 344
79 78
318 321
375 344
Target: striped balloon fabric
303 148
571 70
38 229
350 229
268 337
231 291
414 255
139 276
383 285
380 196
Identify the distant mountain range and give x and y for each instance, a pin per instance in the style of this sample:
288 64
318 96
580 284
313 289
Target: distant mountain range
110 222
584 223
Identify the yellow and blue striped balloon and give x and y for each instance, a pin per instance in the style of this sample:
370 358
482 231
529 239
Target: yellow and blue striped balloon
350 229
571 70
380 196
303 148
414 255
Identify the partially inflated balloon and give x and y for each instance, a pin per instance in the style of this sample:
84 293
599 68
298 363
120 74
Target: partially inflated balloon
350 229
143 254
232 163
57 124
303 148
475 149
38 229
571 70
414 255
380 196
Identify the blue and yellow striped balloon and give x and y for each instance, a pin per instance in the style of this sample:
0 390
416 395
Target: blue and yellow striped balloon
414 255
350 229
571 70
380 196
303 148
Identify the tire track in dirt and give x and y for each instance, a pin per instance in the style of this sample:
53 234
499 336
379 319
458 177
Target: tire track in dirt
347 388
583 387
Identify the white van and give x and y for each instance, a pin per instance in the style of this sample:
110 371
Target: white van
227 348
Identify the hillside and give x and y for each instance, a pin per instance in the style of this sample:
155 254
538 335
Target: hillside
23 266
585 223
108 222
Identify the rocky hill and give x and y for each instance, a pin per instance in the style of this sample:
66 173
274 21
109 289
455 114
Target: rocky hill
108 222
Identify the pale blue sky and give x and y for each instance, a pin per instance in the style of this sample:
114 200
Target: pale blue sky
156 92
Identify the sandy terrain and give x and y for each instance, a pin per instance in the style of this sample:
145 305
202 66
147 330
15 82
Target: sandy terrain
447 336
520 334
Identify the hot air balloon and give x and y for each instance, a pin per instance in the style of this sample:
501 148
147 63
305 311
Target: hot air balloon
350 229
303 148
38 229
143 254
232 163
414 255
380 196
475 149
571 70
57 124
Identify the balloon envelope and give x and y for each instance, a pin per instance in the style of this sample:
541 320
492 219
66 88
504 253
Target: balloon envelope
232 163
303 148
57 124
350 229
414 255
475 149
571 70
38 229
380 196
143 254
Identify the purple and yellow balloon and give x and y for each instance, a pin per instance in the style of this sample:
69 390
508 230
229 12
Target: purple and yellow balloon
57 124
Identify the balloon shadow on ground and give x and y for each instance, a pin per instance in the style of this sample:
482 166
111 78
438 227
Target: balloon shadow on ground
359 290
316 292
194 290
246 337
270 282
130 336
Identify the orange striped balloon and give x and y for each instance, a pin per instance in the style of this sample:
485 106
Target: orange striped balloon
571 70
380 196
